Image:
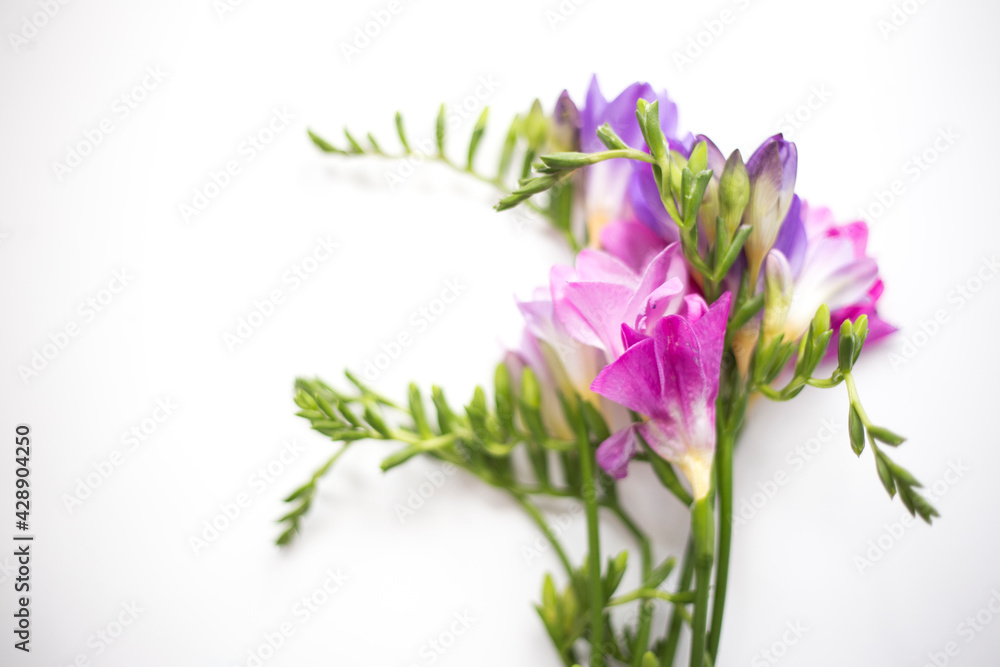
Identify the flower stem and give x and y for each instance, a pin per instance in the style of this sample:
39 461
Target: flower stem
646 608
539 519
703 531
669 649
724 489
594 583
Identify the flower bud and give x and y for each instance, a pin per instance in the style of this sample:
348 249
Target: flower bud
744 343
734 191
778 283
771 170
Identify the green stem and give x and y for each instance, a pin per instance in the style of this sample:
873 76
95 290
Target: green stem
593 551
724 488
650 594
679 614
539 519
703 531
646 608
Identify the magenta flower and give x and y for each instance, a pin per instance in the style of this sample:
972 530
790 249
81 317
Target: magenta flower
672 379
603 292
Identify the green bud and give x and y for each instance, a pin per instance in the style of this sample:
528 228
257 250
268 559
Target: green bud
734 191
531 393
535 127
649 660
778 285
821 321
845 347
886 436
648 115
698 161
609 138
857 431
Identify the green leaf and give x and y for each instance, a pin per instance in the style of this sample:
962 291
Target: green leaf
401 131
355 146
375 147
886 436
439 127
418 412
885 475
375 421
659 574
446 418
324 145
857 431
509 145
477 136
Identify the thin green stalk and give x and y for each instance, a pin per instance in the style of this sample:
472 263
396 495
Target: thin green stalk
646 608
594 583
650 594
725 443
539 519
669 649
703 530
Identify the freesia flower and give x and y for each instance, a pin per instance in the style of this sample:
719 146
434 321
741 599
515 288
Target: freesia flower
607 183
772 170
671 378
834 269
603 292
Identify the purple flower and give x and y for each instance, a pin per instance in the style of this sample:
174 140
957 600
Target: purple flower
607 183
772 170
835 270
671 378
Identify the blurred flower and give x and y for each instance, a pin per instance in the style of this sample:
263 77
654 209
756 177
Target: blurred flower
671 378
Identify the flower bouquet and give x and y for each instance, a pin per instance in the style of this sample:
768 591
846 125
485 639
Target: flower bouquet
700 282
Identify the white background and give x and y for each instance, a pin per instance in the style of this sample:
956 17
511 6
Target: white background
463 551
